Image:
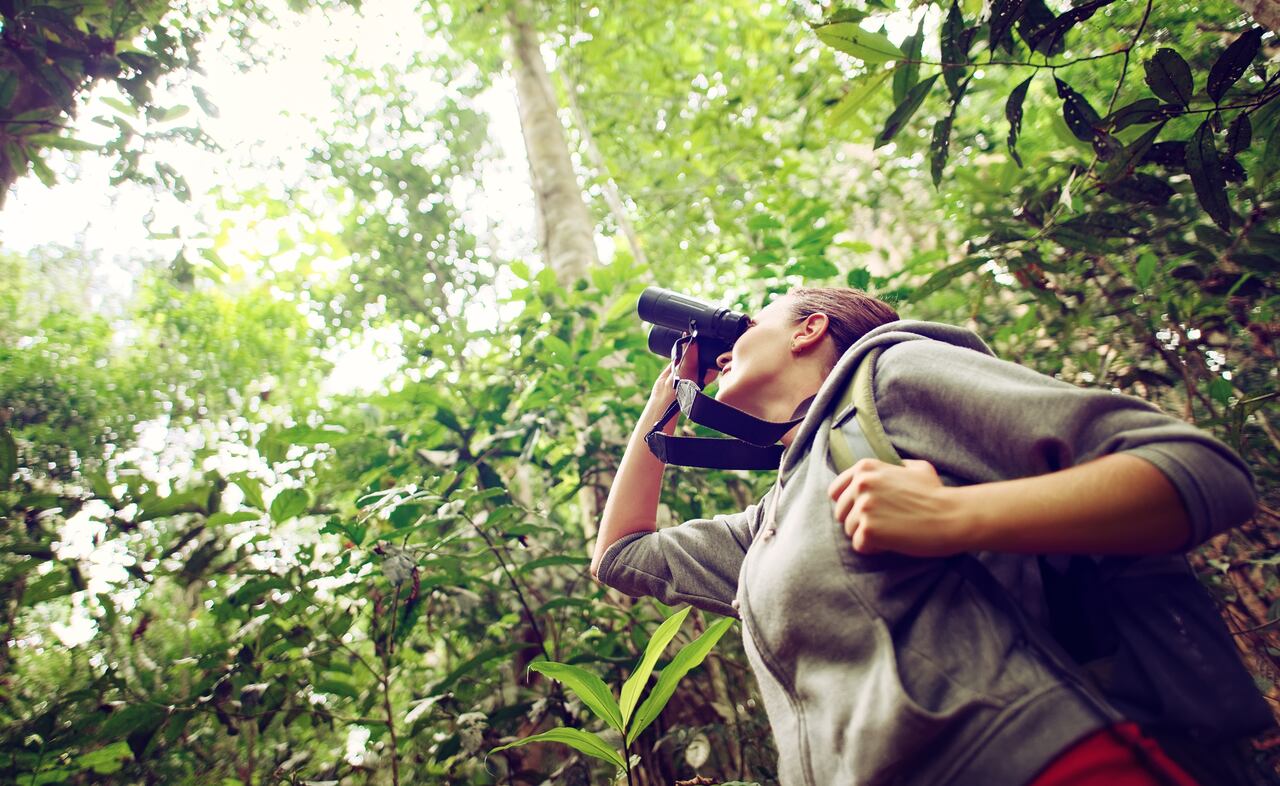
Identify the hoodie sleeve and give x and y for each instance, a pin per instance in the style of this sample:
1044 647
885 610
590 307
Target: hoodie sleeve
980 419
696 562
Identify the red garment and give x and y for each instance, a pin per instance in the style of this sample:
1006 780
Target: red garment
1114 757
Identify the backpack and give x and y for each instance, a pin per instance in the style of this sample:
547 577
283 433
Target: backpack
1141 631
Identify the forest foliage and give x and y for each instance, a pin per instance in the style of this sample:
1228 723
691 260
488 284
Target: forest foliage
279 581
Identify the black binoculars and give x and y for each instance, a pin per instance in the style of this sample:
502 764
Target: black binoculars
714 328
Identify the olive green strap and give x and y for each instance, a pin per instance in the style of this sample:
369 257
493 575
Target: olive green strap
860 395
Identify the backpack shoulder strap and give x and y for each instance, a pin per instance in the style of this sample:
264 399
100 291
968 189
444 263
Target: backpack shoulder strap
859 396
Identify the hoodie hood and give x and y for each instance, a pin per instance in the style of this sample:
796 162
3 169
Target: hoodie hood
881 337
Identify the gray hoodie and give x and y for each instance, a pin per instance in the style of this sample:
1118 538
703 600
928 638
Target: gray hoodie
887 669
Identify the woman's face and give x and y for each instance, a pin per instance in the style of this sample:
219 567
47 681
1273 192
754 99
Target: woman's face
760 358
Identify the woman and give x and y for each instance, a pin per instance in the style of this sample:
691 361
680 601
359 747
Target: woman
878 661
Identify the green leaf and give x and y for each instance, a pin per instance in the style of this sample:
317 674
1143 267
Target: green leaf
252 488
1142 188
1013 113
1206 175
1232 63
1169 77
1146 269
859 278
560 351
1003 14
1269 162
1049 37
907 72
956 40
1034 18
120 106
856 99
813 268
851 39
1239 135
1220 390
1122 166
206 105
8 86
42 170
337 687
221 519
1145 110
588 687
685 661
579 740
1079 114
636 682
106 760
902 114
289 503
947 275
8 457
61 142
940 146
763 221
50 586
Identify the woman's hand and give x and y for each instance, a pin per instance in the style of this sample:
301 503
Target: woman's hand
663 392
904 509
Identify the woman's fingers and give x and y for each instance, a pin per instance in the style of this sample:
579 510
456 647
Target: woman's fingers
883 507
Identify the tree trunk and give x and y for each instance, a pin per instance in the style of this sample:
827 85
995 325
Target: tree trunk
566 233
1264 12
612 197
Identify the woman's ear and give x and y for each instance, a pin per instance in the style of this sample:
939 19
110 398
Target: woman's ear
810 332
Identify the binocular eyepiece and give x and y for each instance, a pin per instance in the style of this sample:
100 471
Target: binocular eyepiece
716 328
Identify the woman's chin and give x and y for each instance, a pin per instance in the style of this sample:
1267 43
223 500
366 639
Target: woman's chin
727 393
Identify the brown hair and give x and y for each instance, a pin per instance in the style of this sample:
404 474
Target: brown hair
851 313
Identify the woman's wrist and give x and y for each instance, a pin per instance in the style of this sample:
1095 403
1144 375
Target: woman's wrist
967 523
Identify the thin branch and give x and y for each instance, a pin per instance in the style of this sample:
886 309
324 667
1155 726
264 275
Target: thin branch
1124 69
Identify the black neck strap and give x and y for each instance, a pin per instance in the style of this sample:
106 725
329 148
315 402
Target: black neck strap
755 447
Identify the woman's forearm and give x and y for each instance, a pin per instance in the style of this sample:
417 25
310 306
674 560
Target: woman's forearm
632 505
1117 504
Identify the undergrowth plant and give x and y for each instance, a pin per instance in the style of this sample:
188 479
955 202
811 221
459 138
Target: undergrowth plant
622 714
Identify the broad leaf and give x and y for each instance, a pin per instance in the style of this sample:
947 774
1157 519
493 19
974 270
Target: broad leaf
869 47
1142 188
940 146
685 661
636 682
902 114
1146 110
1169 77
1123 165
1003 14
1205 168
955 48
8 457
1050 37
289 503
947 275
1173 154
1035 17
1239 134
1232 63
587 686
907 72
1013 113
579 740
1079 114
864 88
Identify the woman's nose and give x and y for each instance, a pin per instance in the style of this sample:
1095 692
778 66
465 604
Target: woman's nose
723 359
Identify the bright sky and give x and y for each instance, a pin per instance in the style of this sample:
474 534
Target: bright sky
270 113
273 112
